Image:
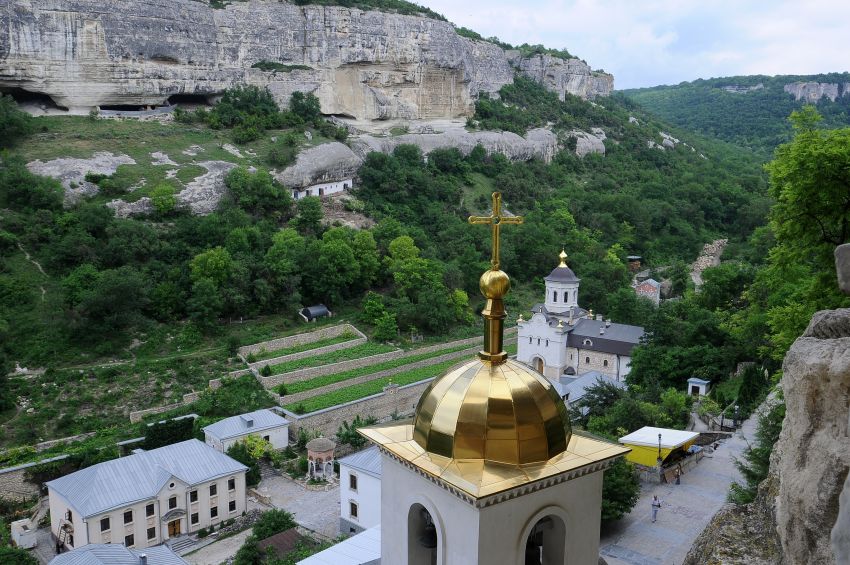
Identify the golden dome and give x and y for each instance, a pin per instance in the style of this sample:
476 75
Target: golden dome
498 412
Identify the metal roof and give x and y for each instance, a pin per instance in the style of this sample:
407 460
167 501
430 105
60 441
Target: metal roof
651 282
361 549
577 387
698 381
115 554
321 444
126 480
617 338
239 425
648 436
367 461
562 274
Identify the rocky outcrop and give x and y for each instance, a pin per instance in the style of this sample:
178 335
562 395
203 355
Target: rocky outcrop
587 143
538 143
72 172
329 162
363 64
570 76
738 89
814 443
842 267
812 92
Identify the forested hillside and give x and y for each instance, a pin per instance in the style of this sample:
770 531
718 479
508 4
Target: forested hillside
750 111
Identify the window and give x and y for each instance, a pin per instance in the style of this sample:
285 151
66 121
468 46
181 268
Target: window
129 540
193 496
128 517
587 359
214 512
149 510
231 484
352 509
231 506
565 296
352 482
104 524
171 485
587 342
172 503
538 341
547 343
213 489
151 533
69 515
605 363
529 341
195 518
555 299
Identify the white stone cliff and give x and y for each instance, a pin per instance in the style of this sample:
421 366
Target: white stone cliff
812 92
366 65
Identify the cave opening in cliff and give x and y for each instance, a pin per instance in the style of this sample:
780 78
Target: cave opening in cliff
189 100
124 107
31 101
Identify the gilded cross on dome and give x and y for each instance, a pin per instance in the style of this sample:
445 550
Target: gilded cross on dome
496 219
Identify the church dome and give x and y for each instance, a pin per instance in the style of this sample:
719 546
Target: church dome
498 412
562 273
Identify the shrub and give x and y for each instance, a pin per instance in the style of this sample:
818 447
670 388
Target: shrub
303 465
163 199
266 371
273 522
202 533
14 123
299 408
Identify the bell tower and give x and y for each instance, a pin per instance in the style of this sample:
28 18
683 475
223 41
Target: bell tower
489 470
561 288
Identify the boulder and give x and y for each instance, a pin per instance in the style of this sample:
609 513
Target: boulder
587 143
329 162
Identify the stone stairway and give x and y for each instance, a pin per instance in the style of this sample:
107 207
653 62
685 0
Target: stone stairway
181 545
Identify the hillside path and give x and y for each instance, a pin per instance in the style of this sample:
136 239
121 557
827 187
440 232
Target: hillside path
687 509
37 264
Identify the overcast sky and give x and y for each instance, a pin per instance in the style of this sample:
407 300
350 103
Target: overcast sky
651 42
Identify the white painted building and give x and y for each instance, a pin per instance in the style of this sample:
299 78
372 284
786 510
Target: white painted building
360 491
561 338
322 189
147 498
264 424
697 386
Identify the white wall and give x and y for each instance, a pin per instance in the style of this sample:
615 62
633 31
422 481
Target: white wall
367 497
561 304
546 342
326 188
58 507
494 534
278 437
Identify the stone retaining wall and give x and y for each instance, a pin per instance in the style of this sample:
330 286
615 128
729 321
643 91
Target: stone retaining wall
137 416
399 400
257 365
300 339
342 366
299 396
13 482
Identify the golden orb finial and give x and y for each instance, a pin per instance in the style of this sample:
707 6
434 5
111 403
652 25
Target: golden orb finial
563 257
560 323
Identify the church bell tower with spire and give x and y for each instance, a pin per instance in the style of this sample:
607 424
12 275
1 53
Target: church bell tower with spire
489 470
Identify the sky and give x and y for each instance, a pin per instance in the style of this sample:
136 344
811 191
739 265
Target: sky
652 42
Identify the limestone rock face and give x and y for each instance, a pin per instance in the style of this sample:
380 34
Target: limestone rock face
564 76
814 443
72 172
812 92
362 64
589 142
841 530
538 143
328 162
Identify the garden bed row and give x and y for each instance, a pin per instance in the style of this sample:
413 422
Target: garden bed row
263 355
363 350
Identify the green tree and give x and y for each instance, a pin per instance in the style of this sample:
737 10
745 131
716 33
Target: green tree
372 308
386 328
14 124
213 264
620 490
16 556
305 106
257 192
308 217
273 522
205 303
347 433
22 190
163 199
240 452
756 460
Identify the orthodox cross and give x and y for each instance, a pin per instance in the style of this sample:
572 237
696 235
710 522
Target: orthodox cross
496 219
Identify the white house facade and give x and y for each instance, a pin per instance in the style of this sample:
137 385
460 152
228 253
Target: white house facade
360 491
322 189
561 338
264 424
147 498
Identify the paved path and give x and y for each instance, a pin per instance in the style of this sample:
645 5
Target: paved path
687 509
315 510
218 552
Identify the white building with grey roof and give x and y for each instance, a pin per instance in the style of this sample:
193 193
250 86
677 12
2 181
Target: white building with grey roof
264 424
360 491
561 338
114 554
146 498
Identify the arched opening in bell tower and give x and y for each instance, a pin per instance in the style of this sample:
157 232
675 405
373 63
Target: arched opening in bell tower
423 543
546 543
537 363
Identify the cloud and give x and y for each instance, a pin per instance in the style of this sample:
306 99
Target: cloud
664 41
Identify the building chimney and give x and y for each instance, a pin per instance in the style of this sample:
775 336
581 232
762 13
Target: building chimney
607 323
601 331
143 559
249 421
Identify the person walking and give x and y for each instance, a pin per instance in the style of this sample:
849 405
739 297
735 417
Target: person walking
656 504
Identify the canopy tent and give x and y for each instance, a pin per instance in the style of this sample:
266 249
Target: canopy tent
645 444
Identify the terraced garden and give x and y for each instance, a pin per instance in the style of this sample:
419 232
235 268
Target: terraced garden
262 354
375 386
364 350
324 380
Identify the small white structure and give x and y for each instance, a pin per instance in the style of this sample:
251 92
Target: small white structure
322 189
115 554
697 386
320 457
360 491
263 423
146 498
362 549
23 533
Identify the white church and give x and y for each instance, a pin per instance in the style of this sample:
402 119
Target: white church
489 471
562 340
